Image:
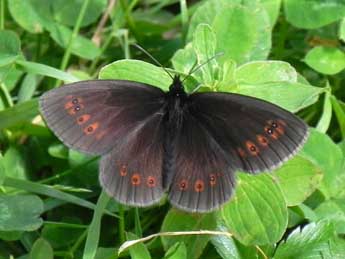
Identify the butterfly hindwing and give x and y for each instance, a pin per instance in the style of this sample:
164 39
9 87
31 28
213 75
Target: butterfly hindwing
91 116
203 175
256 135
132 171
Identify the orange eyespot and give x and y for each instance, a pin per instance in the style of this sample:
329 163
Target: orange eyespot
83 118
263 141
91 128
135 179
252 148
151 181
213 179
123 170
199 186
183 185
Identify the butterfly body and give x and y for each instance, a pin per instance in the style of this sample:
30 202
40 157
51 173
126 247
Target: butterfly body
188 145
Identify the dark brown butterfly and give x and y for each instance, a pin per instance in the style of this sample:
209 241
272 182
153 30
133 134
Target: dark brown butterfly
188 145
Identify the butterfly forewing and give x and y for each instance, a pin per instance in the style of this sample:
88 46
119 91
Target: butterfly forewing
256 135
91 116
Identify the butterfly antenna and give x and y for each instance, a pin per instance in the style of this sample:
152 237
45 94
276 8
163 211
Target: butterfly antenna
196 68
154 60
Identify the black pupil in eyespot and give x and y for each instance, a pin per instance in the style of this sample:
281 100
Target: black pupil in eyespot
75 101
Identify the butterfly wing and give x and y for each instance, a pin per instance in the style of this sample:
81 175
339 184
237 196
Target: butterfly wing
132 172
92 116
256 135
203 175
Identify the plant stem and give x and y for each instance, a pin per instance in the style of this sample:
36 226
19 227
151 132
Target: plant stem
74 35
121 224
2 14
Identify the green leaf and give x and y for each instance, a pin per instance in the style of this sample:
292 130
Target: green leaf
41 250
272 7
243 33
128 70
257 213
334 211
138 251
179 221
177 251
81 46
9 47
313 14
44 70
259 72
66 11
14 163
322 151
325 120
298 178
342 30
27 88
326 60
20 212
94 230
26 15
303 243
291 96
20 113
184 59
204 44
2 169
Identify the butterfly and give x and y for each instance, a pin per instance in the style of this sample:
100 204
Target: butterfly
154 142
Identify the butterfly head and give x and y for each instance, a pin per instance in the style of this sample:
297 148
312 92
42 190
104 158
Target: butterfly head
176 88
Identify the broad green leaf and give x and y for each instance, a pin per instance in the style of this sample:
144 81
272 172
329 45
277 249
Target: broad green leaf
66 11
257 214
301 243
20 212
177 251
58 150
321 150
272 8
243 33
10 235
291 96
325 120
258 72
44 70
41 250
19 113
334 211
9 47
81 46
14 163
204 45
184 59
9 76
138 251
207 12
326 60
27 88
298 178
26 15
179 221
312 14
128 70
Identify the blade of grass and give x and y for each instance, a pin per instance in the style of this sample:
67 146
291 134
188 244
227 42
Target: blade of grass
50 192
326 116
340 114
95 227
74 35
44 70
